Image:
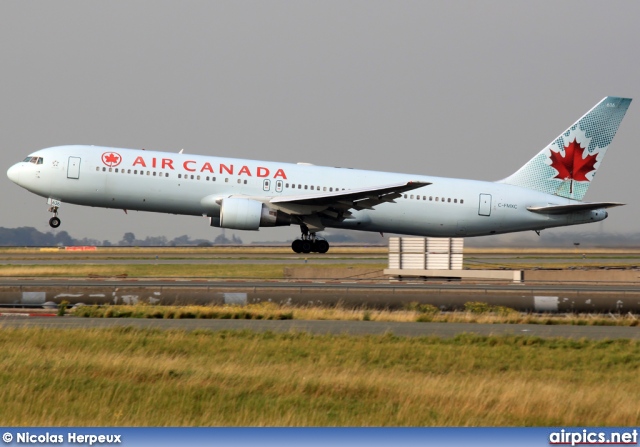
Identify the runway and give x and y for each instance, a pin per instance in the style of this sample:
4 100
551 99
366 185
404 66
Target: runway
349 293
442 330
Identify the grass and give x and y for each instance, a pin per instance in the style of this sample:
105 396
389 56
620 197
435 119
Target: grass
474 313
137 377
253 271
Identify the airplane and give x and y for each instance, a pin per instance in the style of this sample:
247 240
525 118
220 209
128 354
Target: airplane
248 194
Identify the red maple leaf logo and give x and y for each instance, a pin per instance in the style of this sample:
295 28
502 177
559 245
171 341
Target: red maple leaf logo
572 166
111 159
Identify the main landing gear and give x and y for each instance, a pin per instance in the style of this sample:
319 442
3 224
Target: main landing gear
309 242
54 222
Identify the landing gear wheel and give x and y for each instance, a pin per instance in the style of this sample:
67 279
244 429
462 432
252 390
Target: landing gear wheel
297 246
306 246
54 222
322 246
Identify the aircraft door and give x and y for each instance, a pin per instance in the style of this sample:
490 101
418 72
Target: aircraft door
279 186
484 208
266 185
73 169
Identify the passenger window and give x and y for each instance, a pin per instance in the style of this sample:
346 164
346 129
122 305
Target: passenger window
97 168
299 186
461 201
437 199
179 175
226 180
191 176
166 174
154 173
128 171
455 200
104 169
449 200
198 178
239 181
110 169
213 179
330 189
245 182
305 186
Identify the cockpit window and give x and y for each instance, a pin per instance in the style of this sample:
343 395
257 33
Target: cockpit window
34 160
28 159
40 160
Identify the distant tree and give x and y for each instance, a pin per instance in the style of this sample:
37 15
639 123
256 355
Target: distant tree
106 243
221 239
128 239
154 241
180 240
63 239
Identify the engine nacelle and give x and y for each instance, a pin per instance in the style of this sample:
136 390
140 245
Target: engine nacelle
248 214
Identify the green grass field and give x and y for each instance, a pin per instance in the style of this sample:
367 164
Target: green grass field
174 378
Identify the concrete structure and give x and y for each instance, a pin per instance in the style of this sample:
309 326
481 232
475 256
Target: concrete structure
437 258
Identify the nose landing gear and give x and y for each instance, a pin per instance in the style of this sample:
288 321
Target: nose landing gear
54 222
309 242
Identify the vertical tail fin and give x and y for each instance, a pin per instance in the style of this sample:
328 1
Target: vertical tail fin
567 166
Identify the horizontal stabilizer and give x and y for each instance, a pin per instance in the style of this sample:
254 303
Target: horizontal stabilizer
572 208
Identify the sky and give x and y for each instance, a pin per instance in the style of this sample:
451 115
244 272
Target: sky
450 88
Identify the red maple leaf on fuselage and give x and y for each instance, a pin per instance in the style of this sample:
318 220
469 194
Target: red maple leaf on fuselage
112 158
572 166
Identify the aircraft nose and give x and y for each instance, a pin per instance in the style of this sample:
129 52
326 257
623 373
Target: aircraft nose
14 173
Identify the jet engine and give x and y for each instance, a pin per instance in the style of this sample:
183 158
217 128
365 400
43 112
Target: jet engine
248 214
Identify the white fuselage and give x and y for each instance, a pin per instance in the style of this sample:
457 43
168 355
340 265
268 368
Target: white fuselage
193 185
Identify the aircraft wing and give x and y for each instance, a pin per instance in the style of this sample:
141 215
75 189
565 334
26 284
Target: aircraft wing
337 204
574 207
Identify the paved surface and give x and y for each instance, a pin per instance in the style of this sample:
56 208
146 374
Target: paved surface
444 330
364 285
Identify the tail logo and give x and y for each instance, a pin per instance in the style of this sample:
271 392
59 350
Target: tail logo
573 166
